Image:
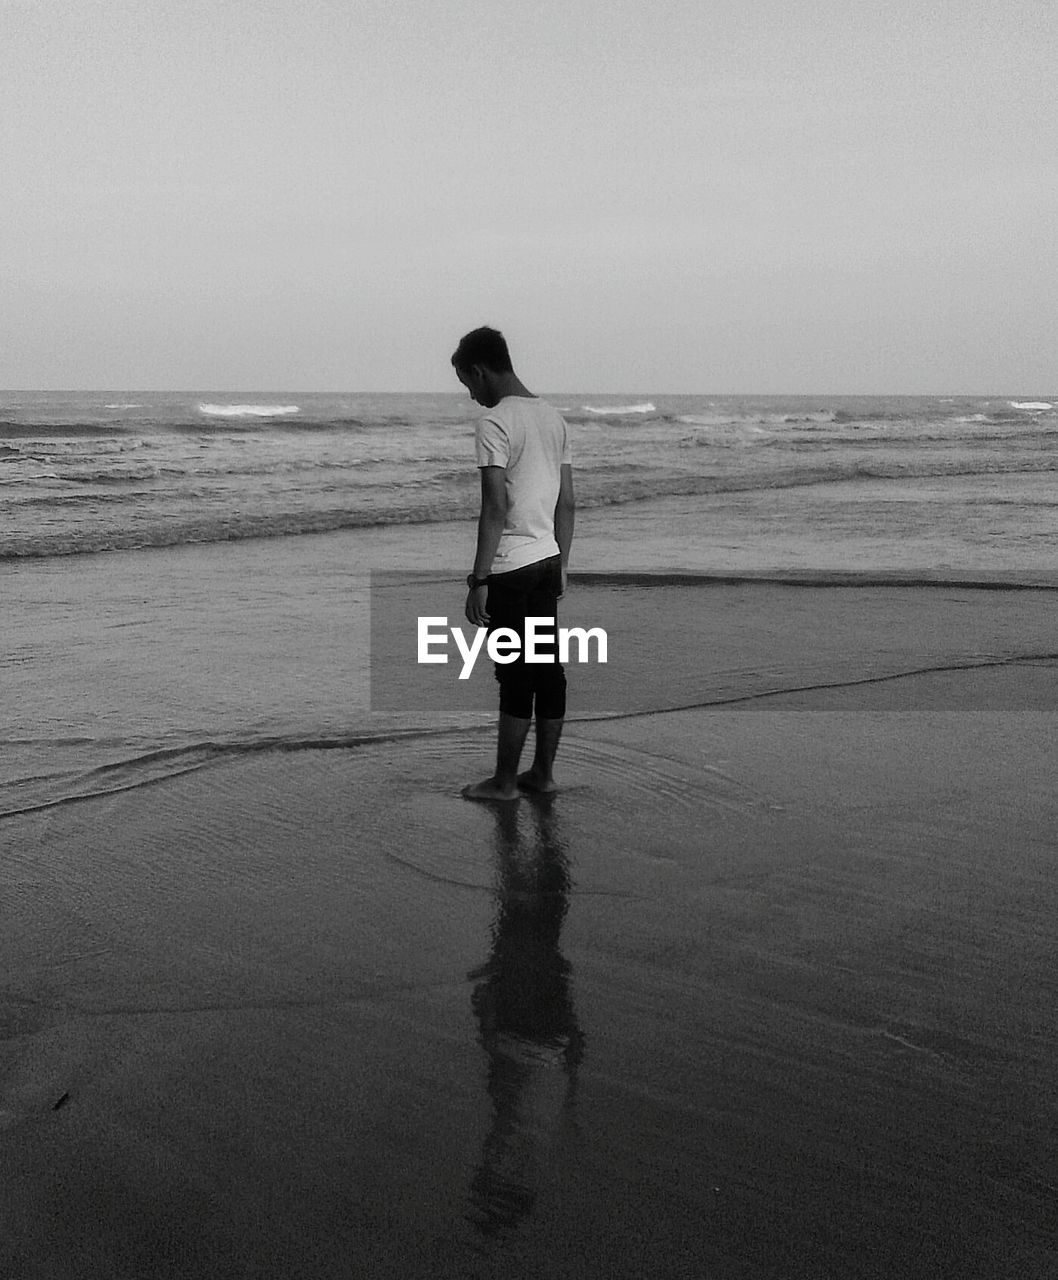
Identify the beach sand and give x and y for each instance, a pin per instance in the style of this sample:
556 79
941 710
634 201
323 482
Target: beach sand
766 991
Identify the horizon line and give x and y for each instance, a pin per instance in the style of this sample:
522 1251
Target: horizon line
287 391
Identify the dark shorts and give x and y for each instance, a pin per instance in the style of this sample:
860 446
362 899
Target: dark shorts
529 592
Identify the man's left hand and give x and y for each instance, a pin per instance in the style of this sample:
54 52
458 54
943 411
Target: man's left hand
475 607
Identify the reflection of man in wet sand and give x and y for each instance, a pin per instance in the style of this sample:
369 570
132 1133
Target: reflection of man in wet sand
524 533
523 1002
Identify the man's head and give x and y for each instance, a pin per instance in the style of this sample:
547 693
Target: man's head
483 365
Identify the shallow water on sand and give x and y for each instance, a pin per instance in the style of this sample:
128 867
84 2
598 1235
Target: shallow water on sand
125 666
757 995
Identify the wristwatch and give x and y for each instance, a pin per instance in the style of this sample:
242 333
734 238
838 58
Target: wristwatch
473 583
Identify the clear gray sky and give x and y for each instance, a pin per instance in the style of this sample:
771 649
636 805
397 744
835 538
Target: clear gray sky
816 196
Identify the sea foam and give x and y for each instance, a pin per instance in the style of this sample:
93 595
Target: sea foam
612 410
248 410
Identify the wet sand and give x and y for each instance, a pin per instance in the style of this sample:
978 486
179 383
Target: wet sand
764 992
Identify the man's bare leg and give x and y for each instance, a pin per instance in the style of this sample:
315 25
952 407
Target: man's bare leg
503 785
540 777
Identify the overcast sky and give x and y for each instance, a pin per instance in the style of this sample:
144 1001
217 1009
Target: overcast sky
816 196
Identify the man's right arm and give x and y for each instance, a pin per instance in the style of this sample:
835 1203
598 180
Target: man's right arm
565 513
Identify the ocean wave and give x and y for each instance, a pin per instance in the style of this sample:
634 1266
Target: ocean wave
110 476
211 529
58 430
429 500
1004 432
847 417
279 468
730 435
249 410
619 410
30 475
822 418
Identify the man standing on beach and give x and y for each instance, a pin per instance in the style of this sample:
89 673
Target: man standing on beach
524 534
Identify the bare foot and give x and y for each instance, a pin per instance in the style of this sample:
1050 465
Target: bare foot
531 780
490 789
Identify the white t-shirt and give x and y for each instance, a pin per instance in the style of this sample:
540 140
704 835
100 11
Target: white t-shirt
530 440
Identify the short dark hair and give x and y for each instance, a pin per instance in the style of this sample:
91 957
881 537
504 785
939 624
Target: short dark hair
483 346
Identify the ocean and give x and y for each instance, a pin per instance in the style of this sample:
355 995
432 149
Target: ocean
101 471
165 606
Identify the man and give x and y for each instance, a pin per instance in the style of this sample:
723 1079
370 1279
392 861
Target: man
524 533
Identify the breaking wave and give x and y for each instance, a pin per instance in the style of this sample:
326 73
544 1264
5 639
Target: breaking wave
618 410
248 410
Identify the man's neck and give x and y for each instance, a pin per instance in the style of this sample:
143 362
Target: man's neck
509 384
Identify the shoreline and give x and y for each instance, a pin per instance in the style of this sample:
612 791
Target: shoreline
123 673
